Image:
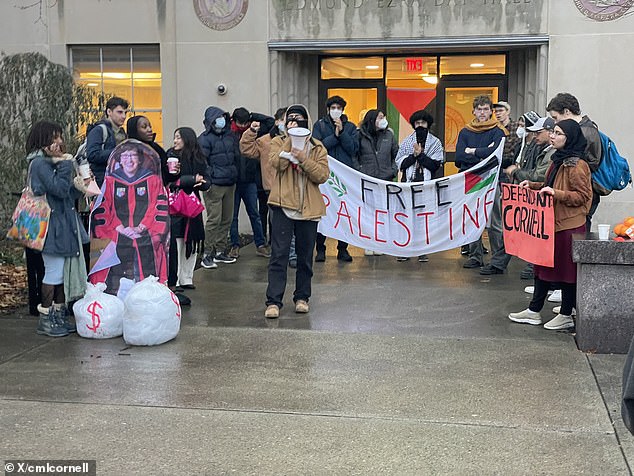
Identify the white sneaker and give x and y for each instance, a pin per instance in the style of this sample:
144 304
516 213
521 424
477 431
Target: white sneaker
555 296
368 253
531 290
526 317
560 322
557 309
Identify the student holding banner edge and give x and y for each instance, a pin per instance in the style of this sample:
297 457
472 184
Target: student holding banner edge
568 181
476 141
420 155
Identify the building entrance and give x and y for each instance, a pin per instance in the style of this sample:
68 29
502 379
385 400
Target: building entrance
399 85
455 104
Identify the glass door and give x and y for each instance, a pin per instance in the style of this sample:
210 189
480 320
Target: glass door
455 100
360 101
360 96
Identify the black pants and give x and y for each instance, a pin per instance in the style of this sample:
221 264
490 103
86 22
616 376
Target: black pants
282 231
596 198
35 274
321 244
263 208
172 261
568 296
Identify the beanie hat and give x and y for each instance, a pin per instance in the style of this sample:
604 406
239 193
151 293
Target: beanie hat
297 109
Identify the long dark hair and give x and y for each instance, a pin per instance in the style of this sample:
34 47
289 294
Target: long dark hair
42 135
191 151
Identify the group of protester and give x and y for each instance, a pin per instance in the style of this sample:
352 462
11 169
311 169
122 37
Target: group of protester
250 157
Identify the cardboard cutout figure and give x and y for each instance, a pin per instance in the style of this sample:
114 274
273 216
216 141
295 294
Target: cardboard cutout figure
130 219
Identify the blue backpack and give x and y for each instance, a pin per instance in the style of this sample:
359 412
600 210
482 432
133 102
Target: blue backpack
613 172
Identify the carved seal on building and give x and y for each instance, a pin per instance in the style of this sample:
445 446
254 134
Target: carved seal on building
604 10
221 14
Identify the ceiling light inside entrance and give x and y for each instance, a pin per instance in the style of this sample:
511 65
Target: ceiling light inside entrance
372 66
477 65
430 78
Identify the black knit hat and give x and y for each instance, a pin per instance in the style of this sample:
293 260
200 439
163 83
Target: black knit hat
297 109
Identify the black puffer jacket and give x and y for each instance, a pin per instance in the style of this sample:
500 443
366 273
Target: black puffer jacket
220 148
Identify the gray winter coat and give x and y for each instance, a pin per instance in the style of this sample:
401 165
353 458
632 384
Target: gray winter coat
377 154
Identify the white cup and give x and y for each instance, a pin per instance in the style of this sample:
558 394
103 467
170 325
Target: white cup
299 136
84 171
604 232
171 165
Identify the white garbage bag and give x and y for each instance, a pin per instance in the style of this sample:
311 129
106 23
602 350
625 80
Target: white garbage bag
99 315
152 313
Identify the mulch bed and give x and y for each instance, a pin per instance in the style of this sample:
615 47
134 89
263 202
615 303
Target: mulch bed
13 287
13 282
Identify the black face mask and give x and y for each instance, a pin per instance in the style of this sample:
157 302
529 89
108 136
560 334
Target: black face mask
300 123
421 134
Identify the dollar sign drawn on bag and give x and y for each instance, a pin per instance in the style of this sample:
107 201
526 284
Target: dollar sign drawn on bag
96 318
178 305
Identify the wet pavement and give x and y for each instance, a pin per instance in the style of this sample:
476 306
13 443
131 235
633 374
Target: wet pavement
399 368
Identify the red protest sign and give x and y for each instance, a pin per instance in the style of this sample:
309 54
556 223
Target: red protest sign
529 224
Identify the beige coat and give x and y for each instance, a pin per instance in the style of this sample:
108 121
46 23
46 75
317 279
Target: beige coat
573 193
255 147
285 190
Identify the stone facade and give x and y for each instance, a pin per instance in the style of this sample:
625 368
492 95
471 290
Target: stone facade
269 54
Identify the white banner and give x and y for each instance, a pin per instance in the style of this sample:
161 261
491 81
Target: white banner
409 219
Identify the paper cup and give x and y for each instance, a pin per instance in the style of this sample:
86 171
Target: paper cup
299 136
171 165
84 171
604 232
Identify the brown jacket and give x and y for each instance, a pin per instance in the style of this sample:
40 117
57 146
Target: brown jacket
255 147
285 188
573 193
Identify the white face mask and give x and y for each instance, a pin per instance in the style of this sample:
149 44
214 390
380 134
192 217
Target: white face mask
336 113
382 124
521 132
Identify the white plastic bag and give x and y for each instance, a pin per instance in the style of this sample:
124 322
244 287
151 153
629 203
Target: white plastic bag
99 315
152 313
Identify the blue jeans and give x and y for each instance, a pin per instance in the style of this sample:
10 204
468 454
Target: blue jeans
248 193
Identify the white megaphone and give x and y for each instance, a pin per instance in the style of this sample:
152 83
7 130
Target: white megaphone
299 136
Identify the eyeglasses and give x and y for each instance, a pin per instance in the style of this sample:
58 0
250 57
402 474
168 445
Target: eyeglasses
294 117
556 133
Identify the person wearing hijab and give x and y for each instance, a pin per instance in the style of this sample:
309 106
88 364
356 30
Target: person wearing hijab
296 208
568 181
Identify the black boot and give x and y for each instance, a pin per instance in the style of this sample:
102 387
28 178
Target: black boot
343 255
63 317
49 324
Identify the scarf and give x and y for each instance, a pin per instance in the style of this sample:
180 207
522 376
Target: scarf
575 146
476 126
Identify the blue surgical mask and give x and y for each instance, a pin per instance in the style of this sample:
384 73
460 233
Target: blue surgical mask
281 127
220 122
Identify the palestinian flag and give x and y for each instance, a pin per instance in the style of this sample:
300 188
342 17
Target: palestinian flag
482 177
